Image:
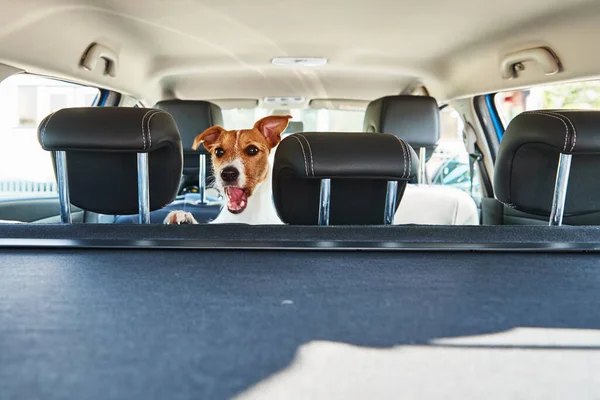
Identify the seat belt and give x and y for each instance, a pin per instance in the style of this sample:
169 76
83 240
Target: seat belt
475 156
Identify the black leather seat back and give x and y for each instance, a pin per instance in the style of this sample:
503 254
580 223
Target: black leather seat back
193 117
359 166
101 146
415 119
527 162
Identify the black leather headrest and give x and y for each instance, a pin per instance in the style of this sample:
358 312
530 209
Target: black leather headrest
359 166
193 117
415 119
101 144
525 171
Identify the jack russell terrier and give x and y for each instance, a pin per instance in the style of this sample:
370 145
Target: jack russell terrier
242 161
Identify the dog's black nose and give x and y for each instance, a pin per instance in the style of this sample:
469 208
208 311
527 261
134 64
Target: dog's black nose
229 174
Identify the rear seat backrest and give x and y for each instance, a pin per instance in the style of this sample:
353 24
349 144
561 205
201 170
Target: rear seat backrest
102 146
526 167
415 119
358 167
193 117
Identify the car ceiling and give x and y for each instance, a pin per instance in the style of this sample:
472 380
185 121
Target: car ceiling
195 49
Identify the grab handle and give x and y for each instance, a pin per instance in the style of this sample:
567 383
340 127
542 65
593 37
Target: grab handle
96 52
512 63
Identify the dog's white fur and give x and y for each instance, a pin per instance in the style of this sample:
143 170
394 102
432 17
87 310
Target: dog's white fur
260 209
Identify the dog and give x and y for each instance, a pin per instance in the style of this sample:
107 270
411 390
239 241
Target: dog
242 161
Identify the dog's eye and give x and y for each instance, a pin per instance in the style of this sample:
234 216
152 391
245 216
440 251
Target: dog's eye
219 152
251 150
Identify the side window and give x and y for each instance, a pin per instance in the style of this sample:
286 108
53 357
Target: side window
450 163
579 95
25 168
128 101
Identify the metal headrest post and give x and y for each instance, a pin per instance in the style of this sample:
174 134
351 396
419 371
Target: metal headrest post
62 179
202 178
143 188
560 189
324 201
422 172
390 202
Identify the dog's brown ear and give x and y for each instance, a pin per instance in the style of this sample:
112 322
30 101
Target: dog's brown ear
271 127
207 138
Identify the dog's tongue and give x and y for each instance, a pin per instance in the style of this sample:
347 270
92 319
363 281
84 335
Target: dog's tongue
237 199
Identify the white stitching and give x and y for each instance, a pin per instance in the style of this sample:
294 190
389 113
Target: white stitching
43 133
303 153
409 159
312 164
572 126
148 135
545 113
148 128
403 154
405 151
143 136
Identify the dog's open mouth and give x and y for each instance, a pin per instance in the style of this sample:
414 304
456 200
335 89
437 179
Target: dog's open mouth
237 199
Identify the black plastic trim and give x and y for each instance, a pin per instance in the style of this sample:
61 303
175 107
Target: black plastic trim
341 238
485 119
341 245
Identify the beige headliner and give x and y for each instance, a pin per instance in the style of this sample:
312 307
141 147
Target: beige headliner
222 48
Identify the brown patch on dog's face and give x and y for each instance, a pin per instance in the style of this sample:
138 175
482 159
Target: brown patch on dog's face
241 158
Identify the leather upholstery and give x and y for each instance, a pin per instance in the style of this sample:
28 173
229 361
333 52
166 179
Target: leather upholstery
193 117
495 213
415 119
346 155
436 205
108 129
359 166
527 161
101 144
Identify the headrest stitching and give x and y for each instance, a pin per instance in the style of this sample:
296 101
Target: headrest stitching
143 136
545 113
148 128
46 125
572 126
403 153
312 164
409 160
303 154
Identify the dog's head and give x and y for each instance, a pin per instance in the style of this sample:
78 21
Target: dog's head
241 158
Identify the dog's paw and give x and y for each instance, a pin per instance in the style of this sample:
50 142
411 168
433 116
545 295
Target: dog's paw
179 218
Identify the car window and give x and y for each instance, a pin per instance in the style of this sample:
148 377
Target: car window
319 120
128 101
25 168
449 164
578 95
